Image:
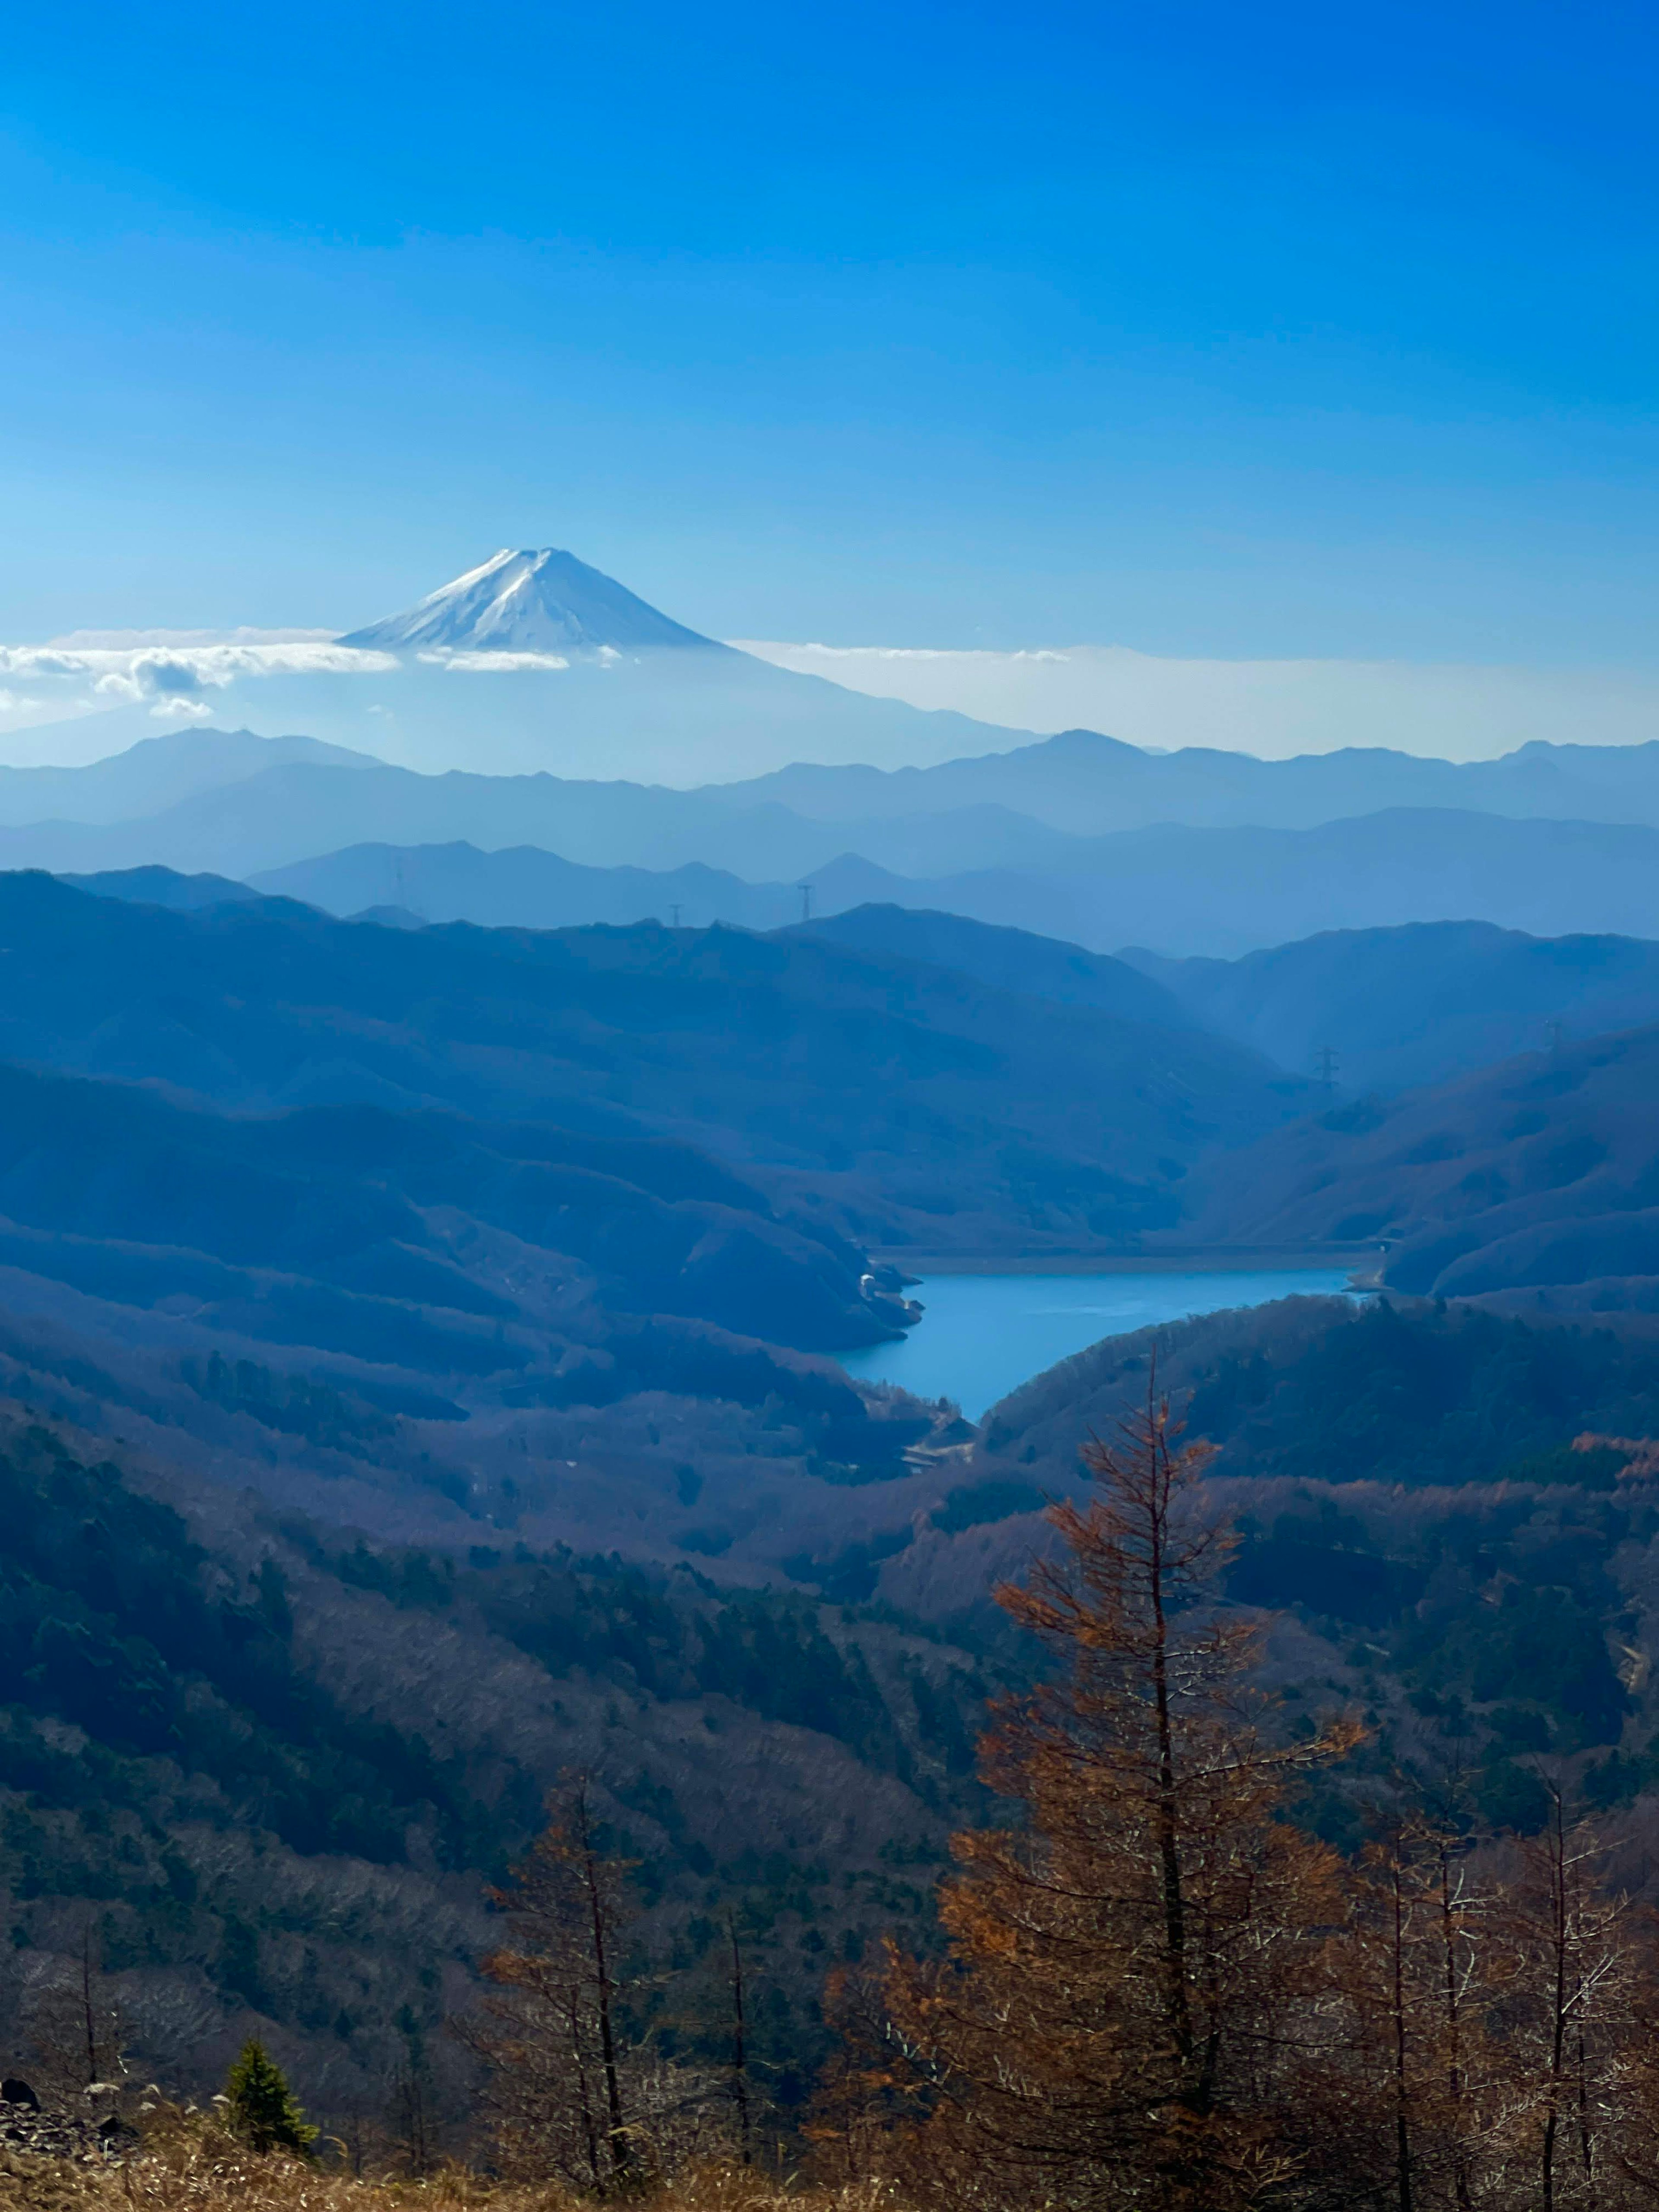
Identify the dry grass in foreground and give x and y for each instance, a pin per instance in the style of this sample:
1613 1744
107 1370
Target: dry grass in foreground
188 2166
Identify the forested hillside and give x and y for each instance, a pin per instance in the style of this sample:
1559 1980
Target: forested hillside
259 1771
1538 1176
1409 1811
1454 1509
1399 1007
1008 960
896 1101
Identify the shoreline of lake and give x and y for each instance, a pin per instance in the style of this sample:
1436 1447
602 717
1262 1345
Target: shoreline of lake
982 1335
1201 1259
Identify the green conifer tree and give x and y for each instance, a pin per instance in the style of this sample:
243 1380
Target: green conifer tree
261 2108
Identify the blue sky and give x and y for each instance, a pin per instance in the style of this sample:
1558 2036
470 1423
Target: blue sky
1204 329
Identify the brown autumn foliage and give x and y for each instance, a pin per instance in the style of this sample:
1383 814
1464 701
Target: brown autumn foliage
1133 2001
567 2090
1160 1993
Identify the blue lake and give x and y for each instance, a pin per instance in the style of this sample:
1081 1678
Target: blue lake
981 1336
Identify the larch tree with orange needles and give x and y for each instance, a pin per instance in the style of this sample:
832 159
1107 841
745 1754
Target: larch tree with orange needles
1133 2010
548 2031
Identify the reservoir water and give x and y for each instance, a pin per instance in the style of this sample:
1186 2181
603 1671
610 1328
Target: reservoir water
981 1336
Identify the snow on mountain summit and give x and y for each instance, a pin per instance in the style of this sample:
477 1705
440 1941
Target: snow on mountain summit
543 602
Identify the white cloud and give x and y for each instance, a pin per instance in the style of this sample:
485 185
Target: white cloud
215 664
492 664
876 653
173 673
1270 707
77 639
131 672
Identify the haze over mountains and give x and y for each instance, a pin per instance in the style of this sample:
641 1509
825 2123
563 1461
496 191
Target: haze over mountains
1076 837
1539 1173
946 1056
1181 889
818 1060
427 1242
597 681
533 662
1398 1007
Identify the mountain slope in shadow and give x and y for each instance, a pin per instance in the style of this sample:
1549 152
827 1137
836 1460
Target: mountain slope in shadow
1539 1176
1399 1007
891 1100
1009 960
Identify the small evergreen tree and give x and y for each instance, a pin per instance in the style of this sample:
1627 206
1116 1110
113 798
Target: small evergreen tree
261 2108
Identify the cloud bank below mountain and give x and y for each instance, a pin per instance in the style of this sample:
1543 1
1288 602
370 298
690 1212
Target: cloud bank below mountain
1273 708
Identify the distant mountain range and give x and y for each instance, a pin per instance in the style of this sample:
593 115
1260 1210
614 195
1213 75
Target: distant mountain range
521 888
1079 784
1398 1007
1381 1010
535 661
157 772
1174 891
1068 1100
895 1101
1178 890
1182 891
1083 784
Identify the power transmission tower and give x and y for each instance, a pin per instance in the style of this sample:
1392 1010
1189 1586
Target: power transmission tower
673 917
805 890
1325 1064
1554 1031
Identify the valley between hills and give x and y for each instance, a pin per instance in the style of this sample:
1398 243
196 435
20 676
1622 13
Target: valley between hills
430 1233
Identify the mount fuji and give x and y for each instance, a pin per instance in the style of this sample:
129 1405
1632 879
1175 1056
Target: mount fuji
535 602
534 661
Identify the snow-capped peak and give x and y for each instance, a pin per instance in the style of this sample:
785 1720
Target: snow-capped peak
540 602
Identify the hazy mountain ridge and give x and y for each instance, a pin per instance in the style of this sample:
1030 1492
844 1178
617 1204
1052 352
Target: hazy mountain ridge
157 772
1419 1004
1008 959
1079 783
1083 783
1179 890
860 1089
660 714
1212 894
1539 1173
520 887
1224 892
384 1208
290 815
